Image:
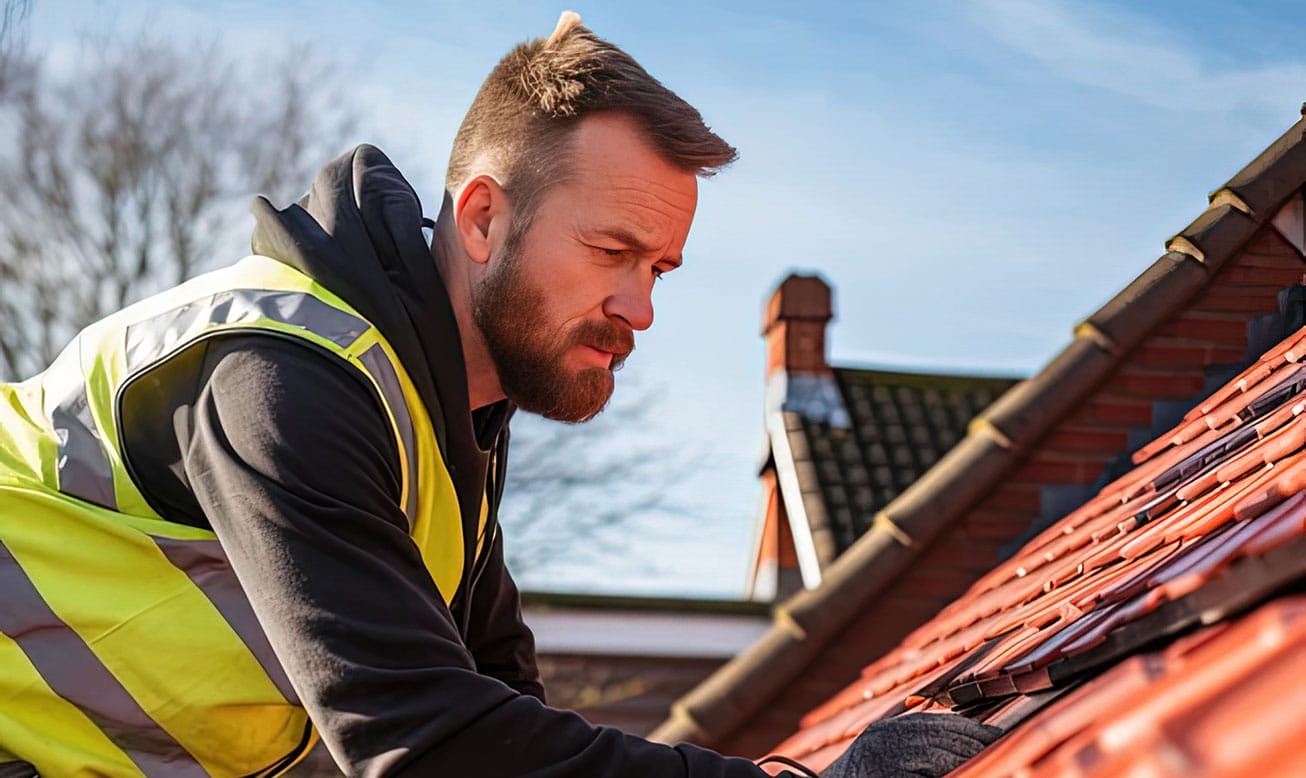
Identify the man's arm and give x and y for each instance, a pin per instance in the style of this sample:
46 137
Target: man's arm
290 459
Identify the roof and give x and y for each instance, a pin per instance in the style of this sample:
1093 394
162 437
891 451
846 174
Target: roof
630 693
642 627
1146 355
841 442
621 661
1209 525
899 425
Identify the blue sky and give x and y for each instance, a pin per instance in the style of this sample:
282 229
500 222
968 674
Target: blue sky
972 177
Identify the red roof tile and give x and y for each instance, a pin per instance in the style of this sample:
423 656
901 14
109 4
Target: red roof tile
1066 642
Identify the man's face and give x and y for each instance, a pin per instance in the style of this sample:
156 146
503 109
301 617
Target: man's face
560 302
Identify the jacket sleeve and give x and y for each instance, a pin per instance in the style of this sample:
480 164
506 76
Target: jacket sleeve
501 643
290 460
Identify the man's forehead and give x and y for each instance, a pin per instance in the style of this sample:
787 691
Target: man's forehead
614 146
637 210
645 197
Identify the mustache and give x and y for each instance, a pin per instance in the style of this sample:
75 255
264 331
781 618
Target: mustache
610 337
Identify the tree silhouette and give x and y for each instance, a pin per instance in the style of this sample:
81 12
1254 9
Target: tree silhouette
574 490
128 174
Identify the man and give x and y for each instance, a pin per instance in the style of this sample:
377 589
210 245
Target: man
257 512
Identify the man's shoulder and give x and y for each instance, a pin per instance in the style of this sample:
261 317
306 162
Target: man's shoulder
270 370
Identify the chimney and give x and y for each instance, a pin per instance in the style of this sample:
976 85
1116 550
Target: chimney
794 326
792 541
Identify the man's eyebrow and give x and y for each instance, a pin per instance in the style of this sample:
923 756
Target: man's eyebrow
623 235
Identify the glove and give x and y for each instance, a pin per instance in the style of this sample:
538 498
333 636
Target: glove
912 746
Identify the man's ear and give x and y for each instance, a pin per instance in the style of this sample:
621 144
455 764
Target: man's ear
480 215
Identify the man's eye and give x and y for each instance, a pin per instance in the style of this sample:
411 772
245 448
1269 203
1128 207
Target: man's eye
613 252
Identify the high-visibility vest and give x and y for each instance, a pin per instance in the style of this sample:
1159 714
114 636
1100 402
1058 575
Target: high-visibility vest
127 647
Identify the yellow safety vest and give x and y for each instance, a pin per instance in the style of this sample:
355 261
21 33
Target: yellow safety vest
127 647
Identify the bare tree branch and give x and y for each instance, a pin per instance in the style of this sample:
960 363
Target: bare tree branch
574 491
13 38
128 175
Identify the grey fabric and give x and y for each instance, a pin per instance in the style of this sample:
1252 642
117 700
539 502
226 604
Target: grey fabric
918 745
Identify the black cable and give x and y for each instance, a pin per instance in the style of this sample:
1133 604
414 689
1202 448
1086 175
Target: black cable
787 762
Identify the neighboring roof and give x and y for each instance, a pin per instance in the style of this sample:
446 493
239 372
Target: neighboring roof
900 425
1152 341
621 661
1209 525
639 627
842 444
630 693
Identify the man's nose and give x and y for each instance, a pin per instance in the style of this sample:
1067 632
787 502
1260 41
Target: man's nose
633 304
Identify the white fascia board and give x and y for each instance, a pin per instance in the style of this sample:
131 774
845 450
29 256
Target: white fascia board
639 633
809 565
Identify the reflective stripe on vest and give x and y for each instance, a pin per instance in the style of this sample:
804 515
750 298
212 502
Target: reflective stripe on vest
71 670
84 469
151 610
206 567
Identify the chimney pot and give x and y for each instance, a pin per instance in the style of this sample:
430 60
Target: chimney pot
794 325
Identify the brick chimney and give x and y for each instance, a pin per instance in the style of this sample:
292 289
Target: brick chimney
794 326
800 382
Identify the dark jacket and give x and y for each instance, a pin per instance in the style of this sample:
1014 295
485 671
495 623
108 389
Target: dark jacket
286 454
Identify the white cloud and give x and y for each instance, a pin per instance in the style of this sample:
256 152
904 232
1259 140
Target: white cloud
1127 55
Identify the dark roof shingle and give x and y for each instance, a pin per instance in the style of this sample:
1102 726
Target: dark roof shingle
901 424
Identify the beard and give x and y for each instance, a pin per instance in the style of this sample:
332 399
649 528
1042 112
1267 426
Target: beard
529 352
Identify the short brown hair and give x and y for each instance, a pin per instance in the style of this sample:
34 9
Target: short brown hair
524 113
